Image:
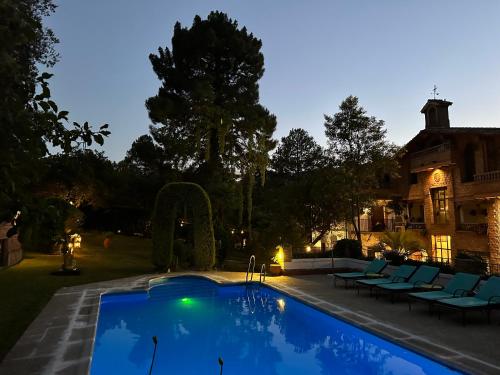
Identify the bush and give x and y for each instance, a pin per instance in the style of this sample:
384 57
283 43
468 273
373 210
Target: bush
47 223
470 262
443 267
347 248
394 257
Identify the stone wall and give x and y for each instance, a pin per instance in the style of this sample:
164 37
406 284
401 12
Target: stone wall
494 231
471 241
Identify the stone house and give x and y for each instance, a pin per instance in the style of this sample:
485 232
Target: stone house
450 186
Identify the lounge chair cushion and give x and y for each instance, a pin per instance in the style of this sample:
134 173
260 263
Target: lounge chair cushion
432 296
401 274
464 302
374 267
461 282
374 281
490 289
424 274
348 275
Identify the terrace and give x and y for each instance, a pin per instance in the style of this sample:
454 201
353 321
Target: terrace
60 340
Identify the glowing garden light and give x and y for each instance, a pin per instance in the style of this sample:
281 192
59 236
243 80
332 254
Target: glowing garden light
280 257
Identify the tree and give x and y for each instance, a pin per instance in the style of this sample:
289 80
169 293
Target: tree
297 154
358 149
299 196
208 104
30 120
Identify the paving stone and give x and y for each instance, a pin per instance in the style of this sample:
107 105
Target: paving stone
75 368
76 351
25 366
81 333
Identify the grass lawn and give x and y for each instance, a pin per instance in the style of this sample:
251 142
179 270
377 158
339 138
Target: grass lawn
27 287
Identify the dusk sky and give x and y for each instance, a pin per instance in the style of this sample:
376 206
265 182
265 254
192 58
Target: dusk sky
388 53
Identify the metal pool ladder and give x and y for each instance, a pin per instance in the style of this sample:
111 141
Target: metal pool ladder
251 263
262 276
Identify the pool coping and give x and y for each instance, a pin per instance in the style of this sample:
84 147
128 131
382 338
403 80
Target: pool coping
73 340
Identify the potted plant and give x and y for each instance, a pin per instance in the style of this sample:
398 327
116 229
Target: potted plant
107 239
276 268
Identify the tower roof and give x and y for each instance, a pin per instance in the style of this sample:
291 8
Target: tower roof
435 103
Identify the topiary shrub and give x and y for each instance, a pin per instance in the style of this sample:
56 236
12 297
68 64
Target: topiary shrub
163 224
347 248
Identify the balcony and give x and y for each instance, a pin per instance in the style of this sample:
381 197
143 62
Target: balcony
433 157
479 228
487 176
417 226
373 225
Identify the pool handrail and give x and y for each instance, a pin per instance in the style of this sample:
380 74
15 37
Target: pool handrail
262 273
250 263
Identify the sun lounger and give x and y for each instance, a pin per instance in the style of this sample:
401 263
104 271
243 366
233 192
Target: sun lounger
402 274
459 286
487 298
373 269
421 279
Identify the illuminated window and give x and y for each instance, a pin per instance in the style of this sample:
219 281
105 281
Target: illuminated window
440 206
441 248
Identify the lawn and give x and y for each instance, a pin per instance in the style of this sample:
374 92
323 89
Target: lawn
27 287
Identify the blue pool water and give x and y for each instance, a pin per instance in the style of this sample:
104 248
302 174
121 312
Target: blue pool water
255 330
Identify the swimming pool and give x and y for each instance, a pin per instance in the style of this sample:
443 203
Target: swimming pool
255 330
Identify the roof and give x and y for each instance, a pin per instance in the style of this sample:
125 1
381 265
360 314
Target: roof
457 130
435 102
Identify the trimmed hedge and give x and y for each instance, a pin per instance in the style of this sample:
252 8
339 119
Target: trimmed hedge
165 212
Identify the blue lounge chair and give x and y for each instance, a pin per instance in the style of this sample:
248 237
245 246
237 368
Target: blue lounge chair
373 269
402 274
487 298
460 285
422 277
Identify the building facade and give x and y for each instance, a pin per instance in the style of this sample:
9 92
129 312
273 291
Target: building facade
450 187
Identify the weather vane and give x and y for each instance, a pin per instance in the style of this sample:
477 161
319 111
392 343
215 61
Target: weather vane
434 92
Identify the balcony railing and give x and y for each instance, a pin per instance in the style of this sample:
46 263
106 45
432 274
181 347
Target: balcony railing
429 157
479 228
487 176
419 226
372 225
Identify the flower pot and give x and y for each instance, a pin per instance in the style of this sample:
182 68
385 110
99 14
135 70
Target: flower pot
68 261
107 243
275 270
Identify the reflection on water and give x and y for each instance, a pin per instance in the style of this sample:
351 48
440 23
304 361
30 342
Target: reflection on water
253 330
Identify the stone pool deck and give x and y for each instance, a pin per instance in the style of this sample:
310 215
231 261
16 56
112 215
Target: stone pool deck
59 341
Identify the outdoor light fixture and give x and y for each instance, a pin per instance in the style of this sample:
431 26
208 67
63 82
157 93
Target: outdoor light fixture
308 249
72 243
280 257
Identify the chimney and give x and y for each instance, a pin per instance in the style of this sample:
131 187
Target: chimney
436 114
